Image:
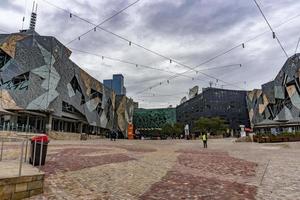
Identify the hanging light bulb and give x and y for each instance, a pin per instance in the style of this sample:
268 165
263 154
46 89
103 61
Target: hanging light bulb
78 38
274 36
136 65
168 81
70 15
170 61
240 65
95 29
160 83
243 45
129 43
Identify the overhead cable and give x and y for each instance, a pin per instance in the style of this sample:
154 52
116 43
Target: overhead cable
273 33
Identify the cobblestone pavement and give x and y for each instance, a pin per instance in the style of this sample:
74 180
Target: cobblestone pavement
171 169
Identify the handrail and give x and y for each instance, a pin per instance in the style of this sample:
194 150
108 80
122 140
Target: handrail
22 152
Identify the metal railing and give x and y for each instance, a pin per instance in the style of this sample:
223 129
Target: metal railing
23 156
10 126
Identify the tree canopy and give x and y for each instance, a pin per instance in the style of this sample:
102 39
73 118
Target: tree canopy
172 130
214 125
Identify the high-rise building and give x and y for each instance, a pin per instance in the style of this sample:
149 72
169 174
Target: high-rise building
117 84
108 83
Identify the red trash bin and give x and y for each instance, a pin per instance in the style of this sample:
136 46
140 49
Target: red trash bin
36 148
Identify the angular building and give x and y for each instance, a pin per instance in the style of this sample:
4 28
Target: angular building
276 107
43 89
229 105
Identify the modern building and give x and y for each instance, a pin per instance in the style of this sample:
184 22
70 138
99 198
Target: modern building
229 105
146 119
276 107
43 89
116 84
108 83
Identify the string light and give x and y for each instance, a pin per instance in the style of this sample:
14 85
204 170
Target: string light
149 67
243 45
162 55
70 15
129 43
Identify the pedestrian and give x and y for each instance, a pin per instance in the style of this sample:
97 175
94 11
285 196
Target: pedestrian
113 135
204 139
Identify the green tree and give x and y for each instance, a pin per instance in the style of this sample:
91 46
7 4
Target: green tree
178 129
167 130
214 125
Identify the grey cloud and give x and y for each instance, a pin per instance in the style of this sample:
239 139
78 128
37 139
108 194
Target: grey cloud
190 31
7 4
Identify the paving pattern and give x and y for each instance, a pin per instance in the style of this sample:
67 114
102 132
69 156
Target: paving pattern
171 169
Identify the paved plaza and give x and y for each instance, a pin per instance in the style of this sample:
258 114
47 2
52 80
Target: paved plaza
171 169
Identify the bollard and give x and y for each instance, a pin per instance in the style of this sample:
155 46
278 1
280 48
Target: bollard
30 150
21 158
26 147
2 143
41 153
33 161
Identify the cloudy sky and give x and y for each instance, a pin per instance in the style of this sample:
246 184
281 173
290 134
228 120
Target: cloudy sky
188 31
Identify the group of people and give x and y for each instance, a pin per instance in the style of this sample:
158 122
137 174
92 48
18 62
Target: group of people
203 136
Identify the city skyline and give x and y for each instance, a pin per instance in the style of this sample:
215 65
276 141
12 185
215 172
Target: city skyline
188 31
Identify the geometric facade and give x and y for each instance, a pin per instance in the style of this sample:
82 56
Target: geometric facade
229 105
41 84
144 119
278 100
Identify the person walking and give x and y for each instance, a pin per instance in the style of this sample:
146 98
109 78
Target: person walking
204 139
113 135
